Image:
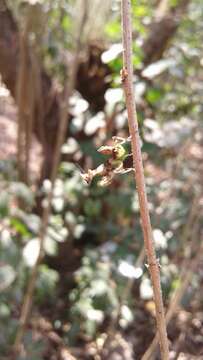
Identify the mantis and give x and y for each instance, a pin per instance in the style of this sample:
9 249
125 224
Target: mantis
119 161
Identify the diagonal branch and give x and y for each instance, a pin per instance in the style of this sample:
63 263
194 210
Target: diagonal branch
127 78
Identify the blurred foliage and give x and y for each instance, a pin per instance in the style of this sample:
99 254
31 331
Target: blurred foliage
102 224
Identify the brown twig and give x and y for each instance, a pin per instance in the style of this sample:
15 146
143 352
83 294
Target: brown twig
127 79
27 302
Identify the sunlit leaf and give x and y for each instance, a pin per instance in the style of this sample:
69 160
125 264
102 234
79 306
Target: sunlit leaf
146 291
129 270
31 252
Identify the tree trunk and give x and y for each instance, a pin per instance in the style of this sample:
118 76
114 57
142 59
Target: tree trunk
161 31
46 116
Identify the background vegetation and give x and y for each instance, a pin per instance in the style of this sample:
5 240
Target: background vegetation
93 297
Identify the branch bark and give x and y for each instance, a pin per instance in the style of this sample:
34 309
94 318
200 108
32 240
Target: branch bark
127 78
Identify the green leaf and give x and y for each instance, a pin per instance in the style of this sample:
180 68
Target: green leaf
66 23
19 227
23 192
4 204
154 95
113 29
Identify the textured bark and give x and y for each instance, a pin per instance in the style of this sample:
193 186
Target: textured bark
127 79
